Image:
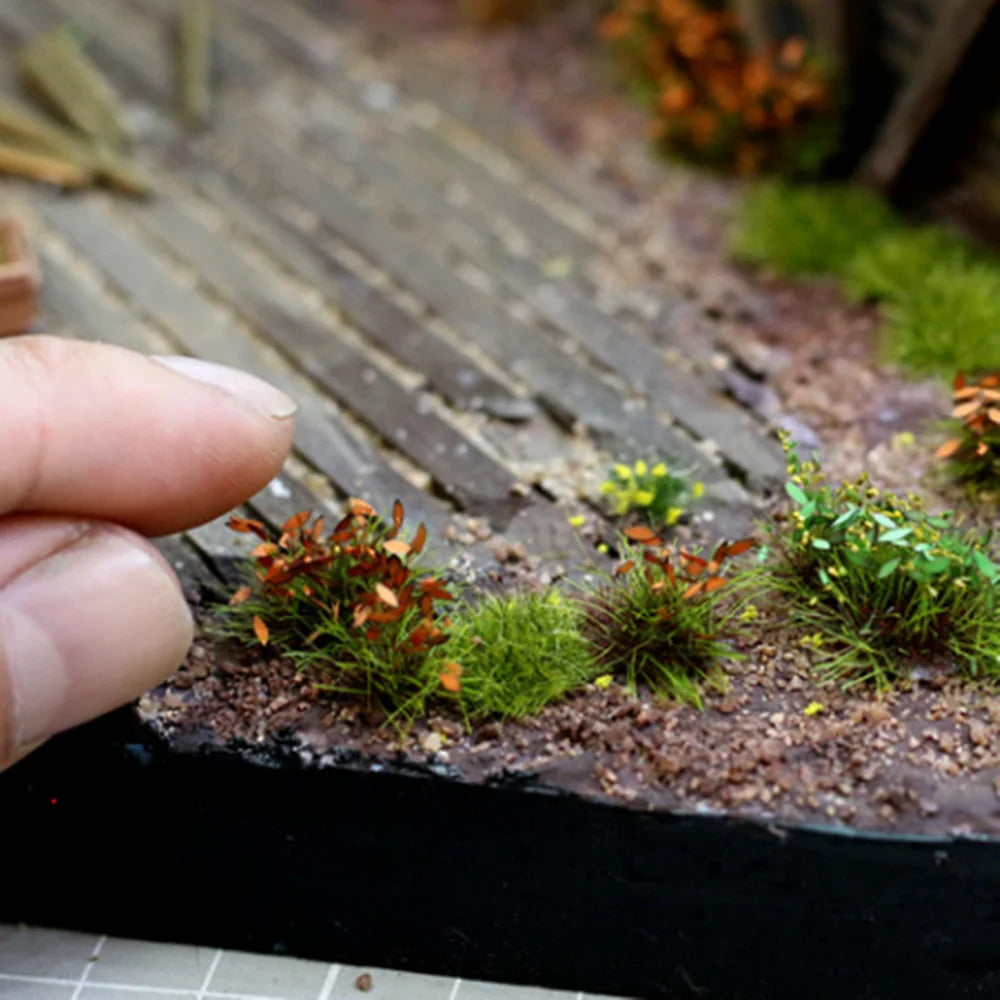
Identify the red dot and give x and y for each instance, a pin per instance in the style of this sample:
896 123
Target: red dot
53 802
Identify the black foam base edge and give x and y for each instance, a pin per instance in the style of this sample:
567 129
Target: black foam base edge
107 830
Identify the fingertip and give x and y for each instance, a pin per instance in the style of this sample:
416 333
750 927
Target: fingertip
84 629
161 444
253 391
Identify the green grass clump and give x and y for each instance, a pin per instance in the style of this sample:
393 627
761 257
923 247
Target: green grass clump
659 494
517 653
664 619
882 583
808 230
947 321
940 293
888 267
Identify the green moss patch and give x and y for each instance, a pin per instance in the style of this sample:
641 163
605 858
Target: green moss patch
940 293
517 653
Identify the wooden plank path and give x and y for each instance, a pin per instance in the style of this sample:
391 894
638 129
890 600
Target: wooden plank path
411 266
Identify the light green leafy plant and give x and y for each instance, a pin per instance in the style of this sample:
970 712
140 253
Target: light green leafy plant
883 582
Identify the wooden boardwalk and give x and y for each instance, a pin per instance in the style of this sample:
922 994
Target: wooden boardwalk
404 262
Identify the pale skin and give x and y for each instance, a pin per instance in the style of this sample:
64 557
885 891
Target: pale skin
99 448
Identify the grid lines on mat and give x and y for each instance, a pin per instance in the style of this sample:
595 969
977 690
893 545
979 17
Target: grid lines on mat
41 964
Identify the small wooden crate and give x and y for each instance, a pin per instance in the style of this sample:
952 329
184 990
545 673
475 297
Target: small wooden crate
20 279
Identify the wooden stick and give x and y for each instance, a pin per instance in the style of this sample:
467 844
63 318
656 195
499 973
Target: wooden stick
194 59
830 32
752 16
956 26
42 167
22 126
57 68
29 132
117 172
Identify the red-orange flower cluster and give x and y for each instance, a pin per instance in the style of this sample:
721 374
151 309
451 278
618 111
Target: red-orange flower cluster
696 574
358 574
714 100
977 448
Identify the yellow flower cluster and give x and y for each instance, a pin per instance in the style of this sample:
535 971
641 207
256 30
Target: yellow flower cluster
652 489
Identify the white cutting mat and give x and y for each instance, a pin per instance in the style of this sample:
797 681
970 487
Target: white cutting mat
41 964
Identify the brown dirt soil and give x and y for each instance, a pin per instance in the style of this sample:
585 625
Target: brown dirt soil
924 759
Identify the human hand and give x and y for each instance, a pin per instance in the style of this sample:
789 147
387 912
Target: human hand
98 447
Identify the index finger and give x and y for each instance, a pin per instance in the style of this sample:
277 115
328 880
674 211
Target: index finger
158 445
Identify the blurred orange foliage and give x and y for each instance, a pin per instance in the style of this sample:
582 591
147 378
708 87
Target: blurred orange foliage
714 100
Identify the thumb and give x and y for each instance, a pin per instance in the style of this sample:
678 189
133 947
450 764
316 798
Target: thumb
91 616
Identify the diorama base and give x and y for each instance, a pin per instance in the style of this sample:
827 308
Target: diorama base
111 830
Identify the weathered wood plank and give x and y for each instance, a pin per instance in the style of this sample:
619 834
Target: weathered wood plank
535 209
476 554
355 132
62 74
468 108
563 384
622 429
690 401
142 277
461 468
93 316
453 375
194 61
89 315
430 154
196 574
135 52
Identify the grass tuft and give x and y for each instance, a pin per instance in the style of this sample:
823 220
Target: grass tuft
808 230
887 267
347 605
973 452
664 619
518 653
940 292
881 583
947 321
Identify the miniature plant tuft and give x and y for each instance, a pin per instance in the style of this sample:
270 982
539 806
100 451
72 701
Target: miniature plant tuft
947 321
714 101
808 230
518 653
881 581
885 268
347 605
939 291
660 495
663 620
974 453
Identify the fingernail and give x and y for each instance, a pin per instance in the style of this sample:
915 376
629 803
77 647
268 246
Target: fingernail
249 388
87 628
